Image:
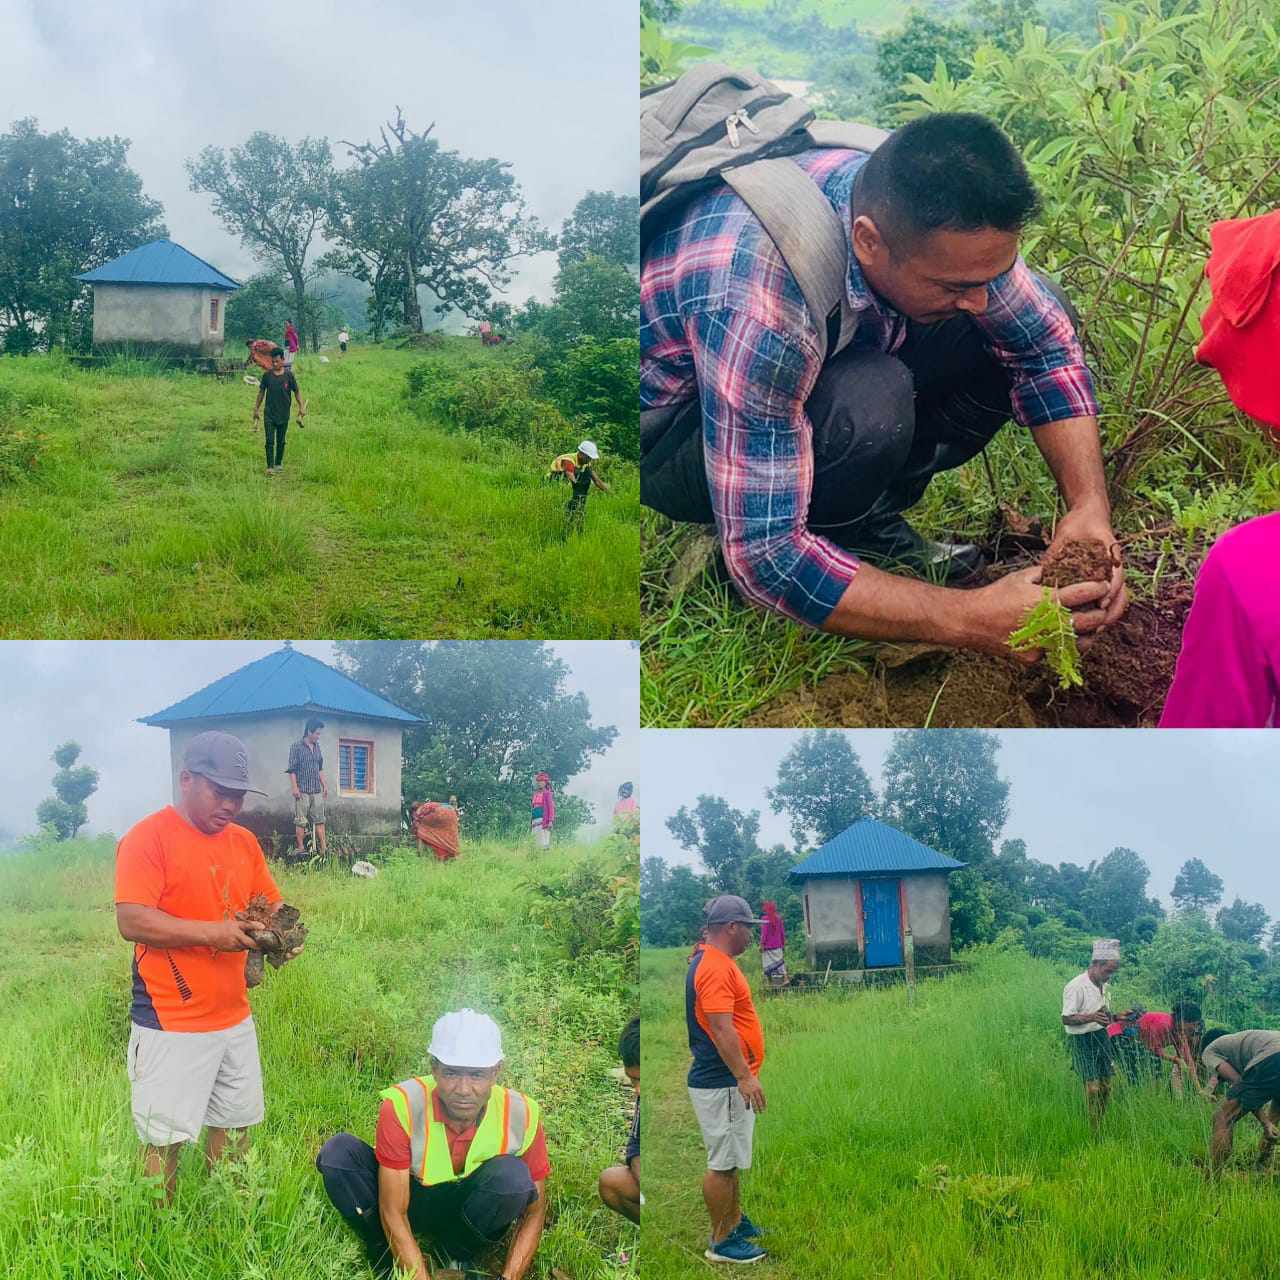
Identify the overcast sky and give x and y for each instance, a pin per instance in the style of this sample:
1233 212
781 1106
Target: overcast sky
1074 794
94 692
549 86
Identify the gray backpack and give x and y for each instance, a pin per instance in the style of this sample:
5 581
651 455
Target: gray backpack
715 125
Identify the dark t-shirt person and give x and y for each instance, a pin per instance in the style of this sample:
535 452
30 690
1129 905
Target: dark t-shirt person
278 388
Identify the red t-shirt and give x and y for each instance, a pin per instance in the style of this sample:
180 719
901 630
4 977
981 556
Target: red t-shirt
166 863
391 1146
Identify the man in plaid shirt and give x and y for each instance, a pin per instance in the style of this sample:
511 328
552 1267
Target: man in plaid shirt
806 468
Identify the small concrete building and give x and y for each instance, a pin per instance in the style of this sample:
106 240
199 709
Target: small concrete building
864 889
159 299
266 704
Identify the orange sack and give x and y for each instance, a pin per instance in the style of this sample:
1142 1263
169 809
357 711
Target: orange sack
437 825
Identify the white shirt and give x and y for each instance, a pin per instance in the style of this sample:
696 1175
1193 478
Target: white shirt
1081 996
342 337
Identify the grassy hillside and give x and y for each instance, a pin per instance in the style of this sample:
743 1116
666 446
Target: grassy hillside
350 1016
870 1095
148 513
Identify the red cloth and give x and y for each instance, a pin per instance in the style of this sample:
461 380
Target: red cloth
391 1145
260 352
291 337
437 825
1242 324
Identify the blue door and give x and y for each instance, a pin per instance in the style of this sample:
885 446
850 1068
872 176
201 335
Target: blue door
881 921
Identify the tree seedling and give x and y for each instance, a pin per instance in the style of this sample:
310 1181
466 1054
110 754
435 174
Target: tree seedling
1048 626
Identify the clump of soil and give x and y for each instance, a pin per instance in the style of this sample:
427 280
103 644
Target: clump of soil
1088 560
1127 671
277 932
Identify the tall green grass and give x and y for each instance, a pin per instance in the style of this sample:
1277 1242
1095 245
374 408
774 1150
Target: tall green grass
943 1135
148 513
350 1016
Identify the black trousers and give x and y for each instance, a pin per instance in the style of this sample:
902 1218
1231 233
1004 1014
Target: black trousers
275 432
460 1217
883 426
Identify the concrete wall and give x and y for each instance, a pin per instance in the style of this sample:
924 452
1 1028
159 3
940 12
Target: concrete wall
165 319
269 738
833 932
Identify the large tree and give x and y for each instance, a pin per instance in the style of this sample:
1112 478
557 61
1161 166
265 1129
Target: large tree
66 206
822 787
944 789
1196 887
432 217
722 836
593 298
1244 921
605 225
1115 895
497 712
273 195
672 898
65 811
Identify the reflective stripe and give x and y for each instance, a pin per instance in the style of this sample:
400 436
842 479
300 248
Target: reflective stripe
417 1100
516 1111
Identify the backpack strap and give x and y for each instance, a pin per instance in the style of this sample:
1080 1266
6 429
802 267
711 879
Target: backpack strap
810 238
840 133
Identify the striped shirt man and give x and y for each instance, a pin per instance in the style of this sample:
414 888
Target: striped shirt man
723 320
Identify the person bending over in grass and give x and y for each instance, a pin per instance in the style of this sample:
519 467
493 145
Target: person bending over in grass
806 466
1228 672
620 1184
1085 1016
727 1043
275 388
1250 1062
459 1159
579 470
181 876
1175 1037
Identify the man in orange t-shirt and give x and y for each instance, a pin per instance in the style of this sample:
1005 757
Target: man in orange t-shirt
182 874
727 1043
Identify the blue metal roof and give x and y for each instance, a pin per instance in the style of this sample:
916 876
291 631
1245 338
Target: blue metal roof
283 681
871 848
160 262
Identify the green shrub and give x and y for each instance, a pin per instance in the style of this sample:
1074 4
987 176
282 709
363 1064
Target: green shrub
21 448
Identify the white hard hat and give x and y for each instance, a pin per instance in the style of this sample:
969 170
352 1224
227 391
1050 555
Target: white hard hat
466 1038
589 448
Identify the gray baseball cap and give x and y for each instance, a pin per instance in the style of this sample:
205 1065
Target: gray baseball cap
728 908
222 758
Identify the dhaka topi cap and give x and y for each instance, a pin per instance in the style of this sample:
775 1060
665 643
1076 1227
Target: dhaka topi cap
1106 949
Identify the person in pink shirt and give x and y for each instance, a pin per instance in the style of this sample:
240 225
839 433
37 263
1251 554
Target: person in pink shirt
1228 673
773 942
1173 1037
626 800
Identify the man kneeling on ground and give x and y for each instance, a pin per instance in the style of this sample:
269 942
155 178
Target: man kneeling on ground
459 1159
620 1184
806 467
1250 1062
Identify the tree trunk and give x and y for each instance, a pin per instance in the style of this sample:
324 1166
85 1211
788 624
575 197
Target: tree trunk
412 311
299 306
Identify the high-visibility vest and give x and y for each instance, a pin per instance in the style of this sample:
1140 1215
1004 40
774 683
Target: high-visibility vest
507 1128
565 465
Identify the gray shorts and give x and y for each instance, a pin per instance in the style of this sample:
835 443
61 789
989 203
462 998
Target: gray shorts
309 805
727 1125
184 1080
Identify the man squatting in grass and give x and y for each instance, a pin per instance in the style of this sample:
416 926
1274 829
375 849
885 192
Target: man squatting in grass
620 1184
181 876
275 387
310 789
805 468
1085 1016
458 1159
1250 1062
727 1043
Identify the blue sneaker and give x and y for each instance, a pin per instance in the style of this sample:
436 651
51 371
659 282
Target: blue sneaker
735 1248
747 1230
